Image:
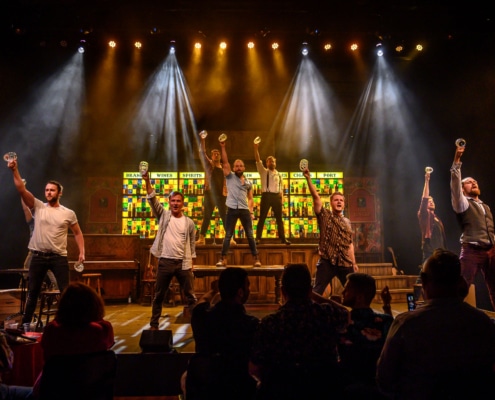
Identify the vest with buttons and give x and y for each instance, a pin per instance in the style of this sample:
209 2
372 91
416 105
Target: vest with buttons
477 226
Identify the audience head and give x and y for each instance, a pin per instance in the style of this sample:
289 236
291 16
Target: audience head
359 290
79 305
296 282
233 284
441 275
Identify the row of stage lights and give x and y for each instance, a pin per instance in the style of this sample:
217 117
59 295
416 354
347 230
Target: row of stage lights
305 49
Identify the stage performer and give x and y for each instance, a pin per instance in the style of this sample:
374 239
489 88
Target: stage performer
335 248
272 194
48 242
174 247
476 221
239 206
215 193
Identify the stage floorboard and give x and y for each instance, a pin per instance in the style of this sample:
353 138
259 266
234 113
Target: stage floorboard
129 320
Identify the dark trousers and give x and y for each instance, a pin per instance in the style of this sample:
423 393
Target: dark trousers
234 214
212 200
474 258
273 201
38 268
326 271
167 269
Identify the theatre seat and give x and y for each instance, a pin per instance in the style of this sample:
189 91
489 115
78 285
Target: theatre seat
79 377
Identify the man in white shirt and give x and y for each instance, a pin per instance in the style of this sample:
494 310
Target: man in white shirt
48 243
174 247
272 194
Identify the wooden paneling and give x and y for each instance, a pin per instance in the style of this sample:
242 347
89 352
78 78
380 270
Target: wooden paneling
116 257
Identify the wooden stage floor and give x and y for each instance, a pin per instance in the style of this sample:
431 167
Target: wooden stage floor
129 320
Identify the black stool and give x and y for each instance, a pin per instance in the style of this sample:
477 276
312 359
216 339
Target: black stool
47 300
147 290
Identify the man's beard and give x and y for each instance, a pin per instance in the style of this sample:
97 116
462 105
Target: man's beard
238 173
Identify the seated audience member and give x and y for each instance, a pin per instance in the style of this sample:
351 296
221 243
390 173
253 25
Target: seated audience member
445 349
10 392
78 326
360 345
223 334
294 354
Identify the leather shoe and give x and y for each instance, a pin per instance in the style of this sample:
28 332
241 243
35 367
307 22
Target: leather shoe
285 241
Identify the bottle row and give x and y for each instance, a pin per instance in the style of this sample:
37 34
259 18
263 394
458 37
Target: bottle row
297 202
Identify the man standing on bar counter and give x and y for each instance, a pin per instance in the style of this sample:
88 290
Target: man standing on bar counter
272 194
48 242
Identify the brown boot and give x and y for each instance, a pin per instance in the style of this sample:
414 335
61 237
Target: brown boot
222 262
257 262
201 240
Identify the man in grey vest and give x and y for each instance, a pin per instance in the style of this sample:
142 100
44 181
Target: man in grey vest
476 222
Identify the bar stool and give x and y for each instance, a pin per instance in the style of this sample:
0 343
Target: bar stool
147 290
47 299
87 278
175 290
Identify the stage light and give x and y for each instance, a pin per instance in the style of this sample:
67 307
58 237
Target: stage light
138 45
419 47
80 49
112 44
63 43
327 46
379 50
305 50
172 50
223 45
399 49
197 45
354 46
275 46
250 45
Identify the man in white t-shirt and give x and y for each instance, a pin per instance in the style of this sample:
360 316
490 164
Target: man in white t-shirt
48 243
174 247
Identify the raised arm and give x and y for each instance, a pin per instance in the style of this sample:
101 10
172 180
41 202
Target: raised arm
257 153
225 160
202 152
426 188
317 204
459 201
26 196
146 178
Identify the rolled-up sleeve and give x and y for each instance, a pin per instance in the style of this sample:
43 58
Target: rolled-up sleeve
459 201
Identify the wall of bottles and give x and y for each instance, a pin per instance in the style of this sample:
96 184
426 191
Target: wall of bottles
298 215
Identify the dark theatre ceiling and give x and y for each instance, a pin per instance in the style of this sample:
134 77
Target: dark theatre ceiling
451 88
301 20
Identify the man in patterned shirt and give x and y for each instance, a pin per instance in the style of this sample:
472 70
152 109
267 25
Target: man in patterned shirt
336 248
294 349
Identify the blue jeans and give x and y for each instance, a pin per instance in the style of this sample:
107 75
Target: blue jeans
38 268
326 271
167 269
234 214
